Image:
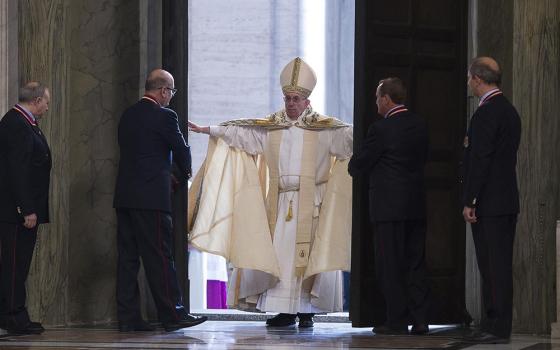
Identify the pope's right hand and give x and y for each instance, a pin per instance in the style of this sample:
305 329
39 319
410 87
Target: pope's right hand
197 128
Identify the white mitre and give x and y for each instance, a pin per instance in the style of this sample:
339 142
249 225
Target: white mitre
298 77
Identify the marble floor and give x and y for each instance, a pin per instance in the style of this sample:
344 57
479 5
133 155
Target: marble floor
252 335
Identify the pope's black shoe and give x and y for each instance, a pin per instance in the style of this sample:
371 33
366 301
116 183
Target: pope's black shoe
305 320
187 321
281 320
386 330
136 326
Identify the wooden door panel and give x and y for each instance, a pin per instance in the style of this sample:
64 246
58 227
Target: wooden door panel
424 43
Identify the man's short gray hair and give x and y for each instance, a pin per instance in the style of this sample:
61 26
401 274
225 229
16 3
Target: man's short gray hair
488 74
394 87
31 91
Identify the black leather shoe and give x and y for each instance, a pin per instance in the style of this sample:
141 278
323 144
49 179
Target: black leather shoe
29 328
281 320
137 326
386 330
419 329
305 320
37 325
187 321
486 338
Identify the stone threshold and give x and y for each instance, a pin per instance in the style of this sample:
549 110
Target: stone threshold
236 315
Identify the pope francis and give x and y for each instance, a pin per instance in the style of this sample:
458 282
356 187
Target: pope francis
274 198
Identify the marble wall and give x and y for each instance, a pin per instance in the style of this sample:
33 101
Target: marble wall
536 88
495 36
526 41
43 57
89 53
104 78
473 298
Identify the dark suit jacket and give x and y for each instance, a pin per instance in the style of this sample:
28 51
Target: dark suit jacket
25 166
393 155
149 140
490 181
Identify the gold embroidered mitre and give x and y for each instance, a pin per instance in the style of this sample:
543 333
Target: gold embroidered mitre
298 77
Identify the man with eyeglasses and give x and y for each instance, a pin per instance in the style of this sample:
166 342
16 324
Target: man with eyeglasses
267 186
149 140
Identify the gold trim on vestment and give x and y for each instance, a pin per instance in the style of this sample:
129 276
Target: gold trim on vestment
295 71
297 89
293 87
272 155
309 120
306 200
194 192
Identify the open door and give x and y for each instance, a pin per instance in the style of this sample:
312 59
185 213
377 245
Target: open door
424 43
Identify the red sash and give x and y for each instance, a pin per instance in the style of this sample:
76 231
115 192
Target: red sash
151 99
27 117
396 110
489 97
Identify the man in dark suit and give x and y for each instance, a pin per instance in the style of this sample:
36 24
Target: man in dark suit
491 198
393 155
149 140
25 165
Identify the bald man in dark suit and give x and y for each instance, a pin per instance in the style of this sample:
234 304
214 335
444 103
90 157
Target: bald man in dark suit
149 140
491 198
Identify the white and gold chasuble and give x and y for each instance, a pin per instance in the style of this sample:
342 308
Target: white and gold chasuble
274 198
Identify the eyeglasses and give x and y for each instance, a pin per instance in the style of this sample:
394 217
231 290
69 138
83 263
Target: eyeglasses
173 90
294 99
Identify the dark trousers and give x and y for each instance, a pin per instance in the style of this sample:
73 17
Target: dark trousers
17 244
146 234
401 270
493 240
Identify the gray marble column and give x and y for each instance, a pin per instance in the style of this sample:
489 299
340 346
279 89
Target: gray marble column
104 76
43 57
473 291
88 53
150 34
150 39
536 88
524 36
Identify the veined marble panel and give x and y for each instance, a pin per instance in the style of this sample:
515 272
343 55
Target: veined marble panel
104 78
43 57
88 53
525 38
536 87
